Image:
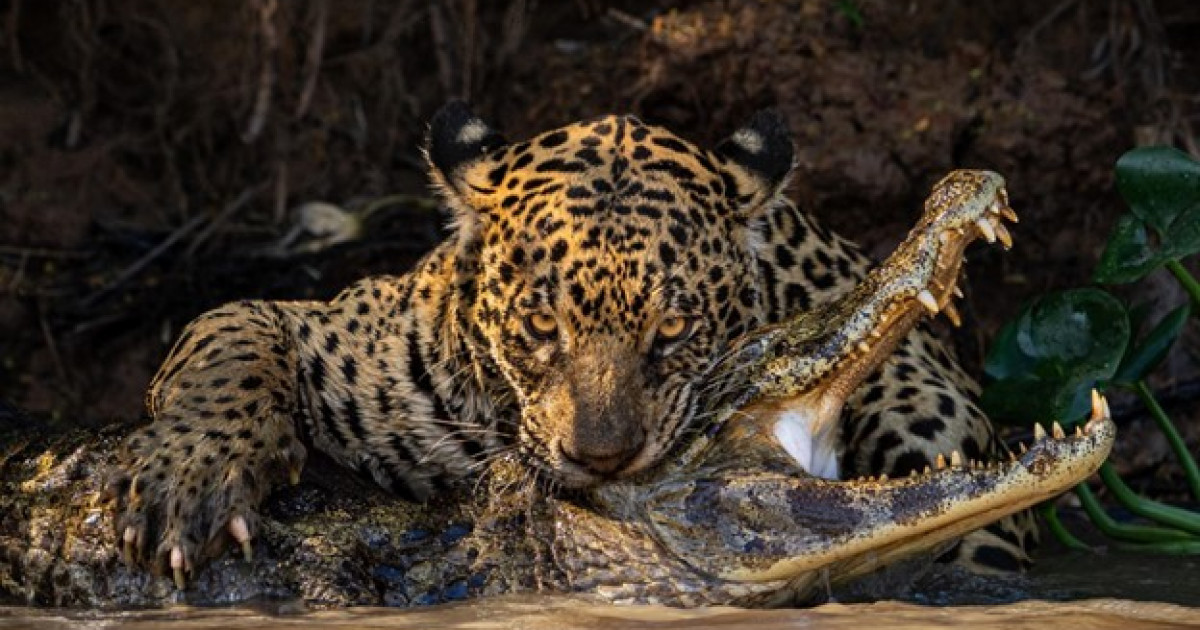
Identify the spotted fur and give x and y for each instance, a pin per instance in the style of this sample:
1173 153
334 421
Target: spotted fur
593 274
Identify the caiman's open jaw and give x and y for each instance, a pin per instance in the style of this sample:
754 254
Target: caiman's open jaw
745 504
790 529
799 373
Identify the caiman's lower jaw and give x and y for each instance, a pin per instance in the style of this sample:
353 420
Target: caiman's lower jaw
880 520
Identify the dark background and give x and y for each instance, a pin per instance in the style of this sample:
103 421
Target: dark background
154 155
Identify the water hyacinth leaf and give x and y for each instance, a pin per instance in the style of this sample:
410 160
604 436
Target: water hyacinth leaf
1162 187
1159 184
1129 253
1046 361
1150 351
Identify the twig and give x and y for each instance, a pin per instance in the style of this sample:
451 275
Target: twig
631 21
59 367
18 276
442 51
468 46
281 191
222 217
1053 15
140 264
12 26
266 78
515 27
40 252
312 62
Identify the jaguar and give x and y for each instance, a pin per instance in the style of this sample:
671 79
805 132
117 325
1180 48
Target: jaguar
593 276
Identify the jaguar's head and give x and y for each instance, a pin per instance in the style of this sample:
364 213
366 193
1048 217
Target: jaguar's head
602 268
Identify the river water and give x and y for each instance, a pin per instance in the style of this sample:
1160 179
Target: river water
1072 590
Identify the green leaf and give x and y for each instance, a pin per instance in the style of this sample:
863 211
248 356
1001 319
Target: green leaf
1044 363
1149 352
850 9
1129 254
1162 187
1159 184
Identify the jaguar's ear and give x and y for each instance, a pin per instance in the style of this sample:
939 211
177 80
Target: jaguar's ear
457 141
758 159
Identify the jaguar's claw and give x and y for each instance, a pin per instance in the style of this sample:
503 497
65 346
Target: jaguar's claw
178 567
241 533
129 548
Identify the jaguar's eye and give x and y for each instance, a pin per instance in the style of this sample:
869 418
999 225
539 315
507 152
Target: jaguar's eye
542 326
672 329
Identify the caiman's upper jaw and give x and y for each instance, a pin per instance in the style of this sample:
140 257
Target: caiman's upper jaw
800 373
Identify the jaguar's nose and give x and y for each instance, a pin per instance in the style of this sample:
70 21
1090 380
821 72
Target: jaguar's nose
603 457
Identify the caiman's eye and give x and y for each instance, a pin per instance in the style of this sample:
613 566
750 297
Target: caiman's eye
674 328
541 326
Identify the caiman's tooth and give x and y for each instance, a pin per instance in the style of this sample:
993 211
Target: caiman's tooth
1004 236
928 470
1057 431
957 292
1078 431
1012 457
1039 432
941 461
952 314
1010 214
1100 410
864 347
1024 449
955 459
985 228
875 334
928 301
912 473
883 478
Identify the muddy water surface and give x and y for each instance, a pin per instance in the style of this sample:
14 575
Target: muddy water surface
1112 591
552 613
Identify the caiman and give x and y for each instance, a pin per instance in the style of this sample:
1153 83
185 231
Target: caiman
731 517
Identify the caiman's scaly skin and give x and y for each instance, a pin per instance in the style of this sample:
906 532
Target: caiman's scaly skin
729 517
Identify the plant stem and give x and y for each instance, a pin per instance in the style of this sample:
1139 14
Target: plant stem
1186 279
1174 547
1190 470
1124 531
1049 513
1148 508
